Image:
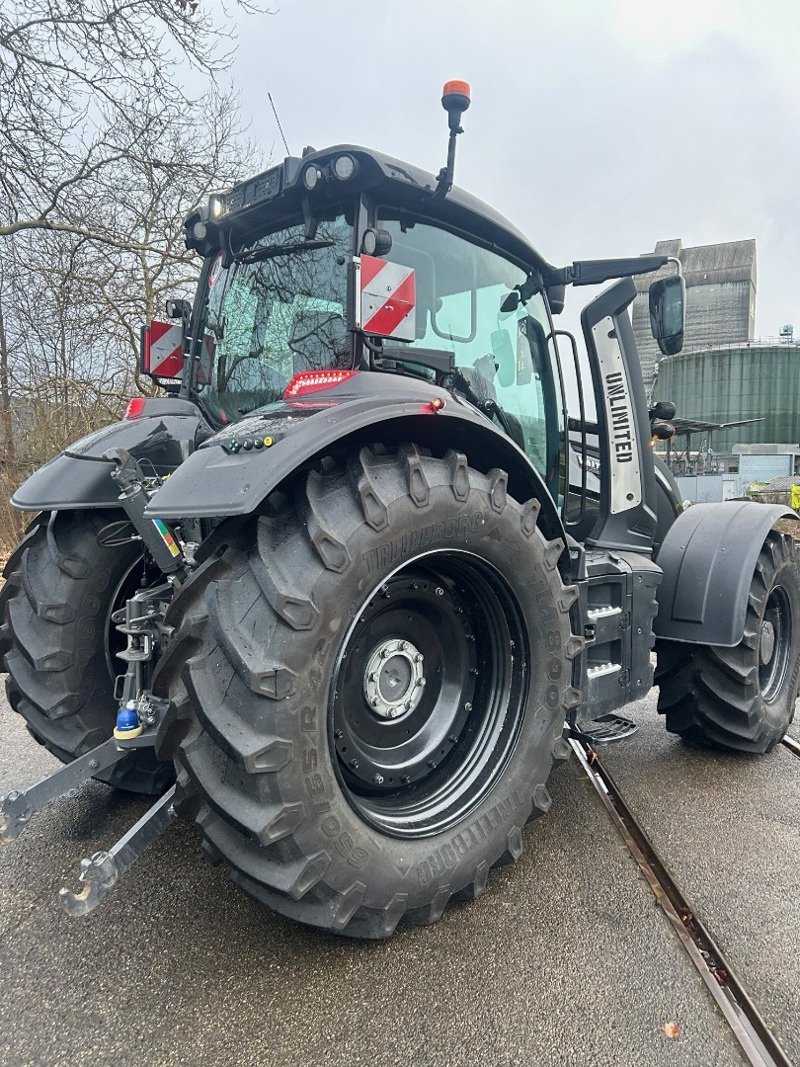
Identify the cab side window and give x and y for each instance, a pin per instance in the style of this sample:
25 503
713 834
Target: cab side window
504 356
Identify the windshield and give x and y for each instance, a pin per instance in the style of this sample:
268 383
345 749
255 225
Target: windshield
505 358
279 309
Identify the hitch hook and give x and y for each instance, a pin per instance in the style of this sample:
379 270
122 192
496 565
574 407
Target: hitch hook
101 871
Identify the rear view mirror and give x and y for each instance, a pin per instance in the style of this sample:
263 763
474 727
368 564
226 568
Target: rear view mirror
556 296
179 309
667 313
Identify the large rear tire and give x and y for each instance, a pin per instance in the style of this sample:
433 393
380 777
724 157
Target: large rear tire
741 698
57 641
373 677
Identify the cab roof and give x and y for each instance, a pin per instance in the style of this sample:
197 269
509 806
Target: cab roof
388 179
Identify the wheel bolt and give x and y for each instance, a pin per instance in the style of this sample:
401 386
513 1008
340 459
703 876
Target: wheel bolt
401 646
373 677
406 779
453 738
439 591
354 763
375 702
418 658
384 653
432 763
338 734
420 682
468 706
378 779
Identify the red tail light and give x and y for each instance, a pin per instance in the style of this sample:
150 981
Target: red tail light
135 408
315 381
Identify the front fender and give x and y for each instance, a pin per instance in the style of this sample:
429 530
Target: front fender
708 557
223 478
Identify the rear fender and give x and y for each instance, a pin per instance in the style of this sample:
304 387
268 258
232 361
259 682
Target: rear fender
217 483
163 436
708 557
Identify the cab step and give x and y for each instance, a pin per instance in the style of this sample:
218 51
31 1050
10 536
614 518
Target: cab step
604 730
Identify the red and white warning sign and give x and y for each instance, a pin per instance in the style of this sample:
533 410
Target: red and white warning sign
388 299
164 349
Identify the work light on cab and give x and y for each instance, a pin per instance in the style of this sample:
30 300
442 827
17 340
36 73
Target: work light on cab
310 177
344 167
217 206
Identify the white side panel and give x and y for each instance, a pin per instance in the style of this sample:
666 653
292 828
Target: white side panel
623 446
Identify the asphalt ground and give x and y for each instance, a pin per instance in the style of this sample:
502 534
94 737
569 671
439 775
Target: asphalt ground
728 828
565 960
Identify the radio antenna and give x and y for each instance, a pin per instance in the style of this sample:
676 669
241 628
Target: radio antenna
275 113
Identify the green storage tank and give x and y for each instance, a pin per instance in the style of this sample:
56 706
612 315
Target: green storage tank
747 381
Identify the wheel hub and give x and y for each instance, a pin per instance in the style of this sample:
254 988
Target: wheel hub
767 645
393 678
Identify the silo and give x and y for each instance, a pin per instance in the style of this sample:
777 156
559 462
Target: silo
726 384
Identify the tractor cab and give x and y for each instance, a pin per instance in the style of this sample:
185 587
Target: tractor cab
347 261
300 309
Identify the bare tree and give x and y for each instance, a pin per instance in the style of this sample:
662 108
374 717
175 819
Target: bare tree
101 156
6 435
77 83
73 306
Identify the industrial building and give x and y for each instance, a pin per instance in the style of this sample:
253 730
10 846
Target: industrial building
737 399
721 288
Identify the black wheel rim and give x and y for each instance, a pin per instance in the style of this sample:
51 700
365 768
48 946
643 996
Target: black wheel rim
775 644
428 694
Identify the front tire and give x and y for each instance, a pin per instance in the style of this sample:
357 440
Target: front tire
351 783
741 698
57 641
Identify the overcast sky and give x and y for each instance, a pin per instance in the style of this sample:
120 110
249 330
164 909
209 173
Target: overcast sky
597 126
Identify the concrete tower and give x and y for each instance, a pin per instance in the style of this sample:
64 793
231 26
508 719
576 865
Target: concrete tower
720 298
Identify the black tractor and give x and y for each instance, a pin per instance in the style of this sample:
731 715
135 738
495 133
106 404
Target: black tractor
341 594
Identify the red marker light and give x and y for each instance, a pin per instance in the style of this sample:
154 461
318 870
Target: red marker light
433 405
315 381
135 408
